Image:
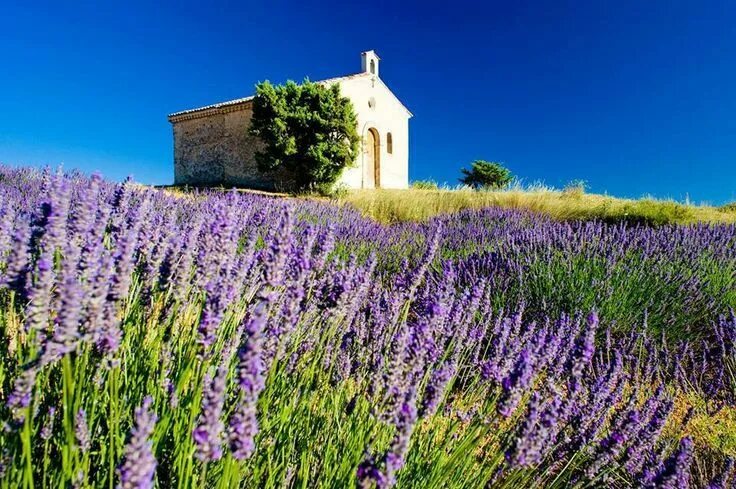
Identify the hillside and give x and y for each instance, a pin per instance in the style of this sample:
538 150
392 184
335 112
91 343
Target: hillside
228 339
416 205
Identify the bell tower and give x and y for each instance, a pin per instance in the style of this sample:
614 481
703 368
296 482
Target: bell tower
369 62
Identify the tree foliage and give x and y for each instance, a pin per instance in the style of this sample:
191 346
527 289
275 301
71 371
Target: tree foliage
486 174
308 130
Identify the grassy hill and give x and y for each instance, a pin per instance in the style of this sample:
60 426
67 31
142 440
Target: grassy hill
418 204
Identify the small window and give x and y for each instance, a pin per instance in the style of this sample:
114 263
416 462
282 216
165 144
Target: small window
373 67
389 143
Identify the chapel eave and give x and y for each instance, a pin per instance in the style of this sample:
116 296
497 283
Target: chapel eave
246 102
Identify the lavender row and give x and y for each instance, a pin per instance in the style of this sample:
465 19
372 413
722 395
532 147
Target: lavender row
224 339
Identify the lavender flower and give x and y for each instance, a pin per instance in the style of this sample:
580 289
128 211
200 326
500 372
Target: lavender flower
208 434
612 446
676 470
526 450
20 397
436 388
251 372
16 271
5 462
514 385
538 431
654 415
48 427
138 468
722 480
584 350
81 431
369 474
384 474
396 456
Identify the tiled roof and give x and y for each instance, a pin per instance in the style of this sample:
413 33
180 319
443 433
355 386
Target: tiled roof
219 105
233 104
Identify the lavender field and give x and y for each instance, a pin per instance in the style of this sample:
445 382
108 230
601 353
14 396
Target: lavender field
221 340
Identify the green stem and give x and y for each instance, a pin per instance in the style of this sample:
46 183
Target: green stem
203 481
113 424
68 418
28 472
45 463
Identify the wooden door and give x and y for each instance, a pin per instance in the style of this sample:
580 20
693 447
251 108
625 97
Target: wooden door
369 162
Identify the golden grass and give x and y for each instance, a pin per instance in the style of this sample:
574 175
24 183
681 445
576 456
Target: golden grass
712 428
418 204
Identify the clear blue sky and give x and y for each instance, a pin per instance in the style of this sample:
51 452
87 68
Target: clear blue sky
636 97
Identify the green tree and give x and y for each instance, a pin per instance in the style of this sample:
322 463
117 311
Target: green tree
486 174
308 130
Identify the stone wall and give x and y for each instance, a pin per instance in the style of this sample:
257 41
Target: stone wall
217 149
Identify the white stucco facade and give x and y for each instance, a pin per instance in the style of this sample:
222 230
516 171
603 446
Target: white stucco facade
377 108
212 145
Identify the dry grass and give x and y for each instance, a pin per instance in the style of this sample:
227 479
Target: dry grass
418 204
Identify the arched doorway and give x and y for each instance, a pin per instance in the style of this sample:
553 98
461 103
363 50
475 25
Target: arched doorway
372 160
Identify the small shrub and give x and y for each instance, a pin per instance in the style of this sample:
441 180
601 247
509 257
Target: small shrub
425 185
575 188
337 191
730 207
486 175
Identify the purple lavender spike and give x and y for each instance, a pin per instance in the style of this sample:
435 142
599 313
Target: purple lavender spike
16 271
20 397
208 434
48 427
126 243
584 350
369 474
384 474
251 371
514 385
654 415
435 389
723 480
538 432
395 458
81 431
675 473
138 468
526 450
612 446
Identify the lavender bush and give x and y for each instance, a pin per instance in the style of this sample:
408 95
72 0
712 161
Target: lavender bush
223 339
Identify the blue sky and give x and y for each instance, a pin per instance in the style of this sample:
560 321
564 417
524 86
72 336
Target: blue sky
633 97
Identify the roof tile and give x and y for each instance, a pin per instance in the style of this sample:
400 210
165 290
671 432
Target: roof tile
239 101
